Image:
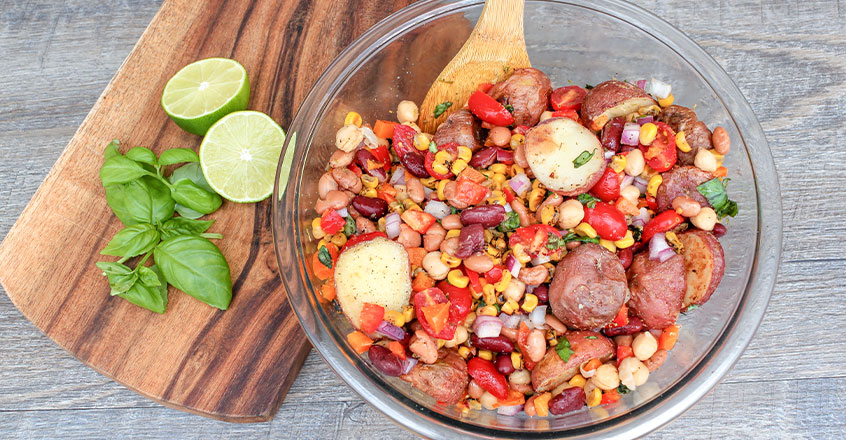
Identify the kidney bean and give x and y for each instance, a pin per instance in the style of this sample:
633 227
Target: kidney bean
384 360
415 163
503 364
542 292
362 157
471 239
568 400
497 344
611 134
625 256
488 216
505 156
370 207
719 230
635 325
483 158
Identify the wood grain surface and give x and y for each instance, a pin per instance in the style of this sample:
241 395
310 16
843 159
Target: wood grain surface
786 56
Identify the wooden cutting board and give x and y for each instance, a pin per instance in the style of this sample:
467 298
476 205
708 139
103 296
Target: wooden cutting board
234 365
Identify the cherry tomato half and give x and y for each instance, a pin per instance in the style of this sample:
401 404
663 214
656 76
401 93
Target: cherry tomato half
485 374
607 220
568 98
608 187
661 154
460 301
361 238
403 140
662 222
567 113
489 109
449 147
427 298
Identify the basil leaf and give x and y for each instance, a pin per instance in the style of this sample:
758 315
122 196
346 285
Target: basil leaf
190 195
587 199
132 240
112 149
177 155
574 237
120 169
563 349
636 232
583 158
113 268
433 147
183 226
715 192
511 222
349 226
148 200
194 173
150 297
441 108
141 154
121 277
324 257
148 277
116 198
622 389
195 266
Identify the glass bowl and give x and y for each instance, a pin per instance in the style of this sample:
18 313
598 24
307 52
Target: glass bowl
580 43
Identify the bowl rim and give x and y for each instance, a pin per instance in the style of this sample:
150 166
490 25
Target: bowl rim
646 417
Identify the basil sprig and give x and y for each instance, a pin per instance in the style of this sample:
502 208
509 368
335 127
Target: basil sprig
715 191
144 201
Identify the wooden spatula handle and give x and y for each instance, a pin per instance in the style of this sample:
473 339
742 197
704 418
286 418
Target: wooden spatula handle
501 19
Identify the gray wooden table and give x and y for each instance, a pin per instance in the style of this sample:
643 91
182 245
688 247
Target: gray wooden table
789 59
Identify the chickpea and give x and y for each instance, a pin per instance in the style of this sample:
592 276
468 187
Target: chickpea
452 221
721 141
514 290
407 112
606 377
536 345
633 373
459 338
474 390
630 193
488 401
634 163
364 226
705 161
555 324
340 159
520 377
449 246
348 137
500 136
686 206
415 189
433 238
623 340
346 179
571 213
644 345
479 263
424 347
545 115
705 220
334 200
522 212
408 237
433 265
326 184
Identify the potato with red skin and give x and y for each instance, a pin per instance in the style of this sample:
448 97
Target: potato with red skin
657 289
446 380
681 181
696 133
462 128
611 99
527 91
552 371
552 150
704 264
588 288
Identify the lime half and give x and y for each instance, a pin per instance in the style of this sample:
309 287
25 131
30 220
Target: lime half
239 155
205 91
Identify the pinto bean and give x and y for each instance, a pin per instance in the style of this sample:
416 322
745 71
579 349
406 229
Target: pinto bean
415 163
452 221
497 344
449 246
326 184
346 179
624 340
554 200
424 347
520 156
555 324
474 390
533 276
721 140
522 213
364 159
536 345
340 158
415 189
370 207
334 200
488 216
656 360
408 237
483 158
433 238
470 240
510 333
480 263
363 225
686 206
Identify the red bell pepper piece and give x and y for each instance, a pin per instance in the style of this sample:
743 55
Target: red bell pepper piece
331 222
662 222
469 192
489 109
623 352
418 220
403 140
610 396
474 279
484 87
493 275
485 374
361 238
621 319
523 342
566 113
371 316
661 154
460 302
382 155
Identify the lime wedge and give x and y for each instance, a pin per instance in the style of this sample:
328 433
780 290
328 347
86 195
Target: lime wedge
205 91
239 156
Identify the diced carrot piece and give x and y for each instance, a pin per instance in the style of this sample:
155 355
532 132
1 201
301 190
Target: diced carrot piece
384 129
397 349
669 337
422 281
328 290
359 341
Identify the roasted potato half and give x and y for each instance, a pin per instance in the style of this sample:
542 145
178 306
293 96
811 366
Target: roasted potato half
610 99
565 156
552 371
704 265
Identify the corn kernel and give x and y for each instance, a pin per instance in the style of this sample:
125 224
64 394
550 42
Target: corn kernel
464 153
517 140
520 253
429 182
396 207
485 354
549 214
369 192
440 342
585 230
369 181
489 293
618 163
681 142
449 260
452 233
440 168
648 132
536 198
654 183
409 204
442 156
458 166
608 244
316 231
339 239
510 306
537 184
594 397
516 360
515 170
486 173
626 241
463 351
542 404
408 313
668 101
421 141
322 243
578 381
498 168
441 185
673 240
503 282
457 278
488 311
353 118
530 301
497 197
499 178
395 318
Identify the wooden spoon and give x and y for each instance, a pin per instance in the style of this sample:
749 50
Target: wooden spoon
494 50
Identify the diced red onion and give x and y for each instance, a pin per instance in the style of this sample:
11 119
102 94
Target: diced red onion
541 259
504 156
343 212
510 321
640 184
512 265
645 119
538 316
641 83
658 88
659 249
520 183
391 331
392 225
487 326
437 208
631 133
407 364
508 207
641 219
626 181
609 154
512 410
369 137
428 191
398 178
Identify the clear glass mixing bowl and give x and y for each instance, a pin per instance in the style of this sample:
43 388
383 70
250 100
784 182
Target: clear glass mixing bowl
580 43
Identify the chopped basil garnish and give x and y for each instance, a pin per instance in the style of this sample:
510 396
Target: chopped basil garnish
511 222
349 227
432 147
563 349
324 257
583 158
441 108
510 108
590 337
554 242
588 86
715 192
587 199
636 231
573 237
622 389
691 307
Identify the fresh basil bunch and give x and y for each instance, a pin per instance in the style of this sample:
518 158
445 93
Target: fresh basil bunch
145 202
